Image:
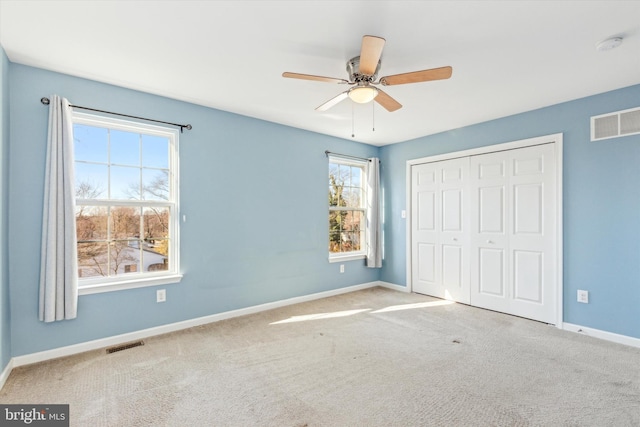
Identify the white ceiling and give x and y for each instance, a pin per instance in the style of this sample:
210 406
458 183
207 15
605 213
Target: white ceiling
507 56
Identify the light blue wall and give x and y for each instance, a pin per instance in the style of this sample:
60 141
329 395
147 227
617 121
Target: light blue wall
254 194
601 203
5 320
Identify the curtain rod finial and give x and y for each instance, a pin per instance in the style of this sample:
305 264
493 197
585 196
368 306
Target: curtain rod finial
45 100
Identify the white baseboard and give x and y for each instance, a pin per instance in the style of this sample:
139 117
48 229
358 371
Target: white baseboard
5 373
55 353
603 335
398 288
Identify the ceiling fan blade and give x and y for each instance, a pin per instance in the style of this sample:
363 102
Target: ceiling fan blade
315 78
417 76
333 101
370 54
387 102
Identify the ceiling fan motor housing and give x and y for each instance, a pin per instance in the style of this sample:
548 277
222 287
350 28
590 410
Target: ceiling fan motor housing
353 68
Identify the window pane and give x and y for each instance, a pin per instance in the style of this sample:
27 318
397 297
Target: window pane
156 223
155 184
90 143
125 148
347 197
339 231
124 257
356 176
336 219
91 223
353 221
334 196
155 151
352 197
125 183
344 241
91 181
92 259
343 175
338 196
125 222
335 186
157 259
333 172
334 242
350 242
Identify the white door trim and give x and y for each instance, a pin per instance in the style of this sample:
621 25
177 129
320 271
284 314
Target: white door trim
555 139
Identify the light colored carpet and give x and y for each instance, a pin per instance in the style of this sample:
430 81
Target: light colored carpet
370 358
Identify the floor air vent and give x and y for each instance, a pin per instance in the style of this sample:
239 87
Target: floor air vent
124 346
613 125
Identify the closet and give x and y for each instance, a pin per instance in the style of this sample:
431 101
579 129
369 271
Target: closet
484 230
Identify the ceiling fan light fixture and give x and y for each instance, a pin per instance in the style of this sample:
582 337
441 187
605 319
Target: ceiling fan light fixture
363 94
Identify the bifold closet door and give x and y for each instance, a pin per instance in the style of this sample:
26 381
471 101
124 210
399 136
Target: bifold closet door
440 229
513 232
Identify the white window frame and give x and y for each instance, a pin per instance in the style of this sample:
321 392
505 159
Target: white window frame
101 284
361 254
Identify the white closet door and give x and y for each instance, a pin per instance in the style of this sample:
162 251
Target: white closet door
513 232
440 230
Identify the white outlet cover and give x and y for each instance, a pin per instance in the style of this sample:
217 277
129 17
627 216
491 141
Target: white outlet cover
583 296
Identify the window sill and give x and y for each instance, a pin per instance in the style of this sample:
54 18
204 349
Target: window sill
349 257
128 284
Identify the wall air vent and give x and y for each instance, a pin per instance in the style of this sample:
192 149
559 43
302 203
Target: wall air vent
613 125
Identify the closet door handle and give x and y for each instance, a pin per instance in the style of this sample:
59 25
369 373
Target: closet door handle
490 242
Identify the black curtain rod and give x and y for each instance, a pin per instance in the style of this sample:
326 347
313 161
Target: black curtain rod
46 101
327 152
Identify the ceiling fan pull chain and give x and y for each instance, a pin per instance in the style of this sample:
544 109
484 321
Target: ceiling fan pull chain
373 116
353 129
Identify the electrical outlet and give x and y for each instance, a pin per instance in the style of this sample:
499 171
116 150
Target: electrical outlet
341 268
161 295
403 214
583 296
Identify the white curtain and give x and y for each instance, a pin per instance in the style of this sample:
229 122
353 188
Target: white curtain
374 233
59 263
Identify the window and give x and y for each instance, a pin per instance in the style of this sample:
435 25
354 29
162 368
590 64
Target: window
126 181
347 209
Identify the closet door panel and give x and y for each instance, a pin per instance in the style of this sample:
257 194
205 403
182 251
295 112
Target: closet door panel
440 229
514 233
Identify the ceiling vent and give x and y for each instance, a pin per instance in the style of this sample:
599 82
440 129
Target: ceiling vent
613 125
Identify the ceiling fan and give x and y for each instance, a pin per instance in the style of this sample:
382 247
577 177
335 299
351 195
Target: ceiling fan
363 71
